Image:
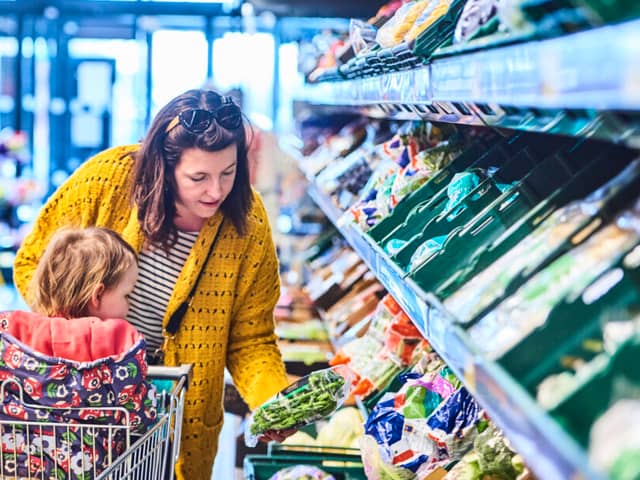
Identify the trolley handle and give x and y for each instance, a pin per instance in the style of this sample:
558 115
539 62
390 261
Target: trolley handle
162 372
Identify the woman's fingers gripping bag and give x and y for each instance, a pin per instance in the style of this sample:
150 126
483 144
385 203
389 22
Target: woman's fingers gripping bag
305 401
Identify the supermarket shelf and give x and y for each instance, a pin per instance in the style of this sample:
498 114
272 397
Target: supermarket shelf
595 69
548 449
573 84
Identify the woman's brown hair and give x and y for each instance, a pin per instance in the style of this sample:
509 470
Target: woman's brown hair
74 264
154 187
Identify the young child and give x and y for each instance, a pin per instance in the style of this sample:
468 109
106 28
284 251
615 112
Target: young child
74 350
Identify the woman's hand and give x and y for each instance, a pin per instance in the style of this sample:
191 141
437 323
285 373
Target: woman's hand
276 435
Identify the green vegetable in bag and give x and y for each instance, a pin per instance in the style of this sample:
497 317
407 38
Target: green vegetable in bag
305 401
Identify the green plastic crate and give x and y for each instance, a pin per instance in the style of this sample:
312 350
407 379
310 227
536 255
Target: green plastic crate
512 205
436 183
436 221
593 397
479 244
433 220
342 463
611 11
479 155
407 55
411 224
571 330
601 169
438 33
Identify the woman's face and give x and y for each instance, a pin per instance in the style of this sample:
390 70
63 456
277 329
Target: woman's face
203 180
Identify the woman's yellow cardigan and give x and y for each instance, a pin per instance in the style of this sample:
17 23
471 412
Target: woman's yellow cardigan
230 321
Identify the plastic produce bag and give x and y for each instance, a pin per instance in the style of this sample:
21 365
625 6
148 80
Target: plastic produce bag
392 33
425 250
311 398
528 308
394 245
455 424
491 458
301 472
614 445
362 35
435 10
375 468
414 427
475 15
460 186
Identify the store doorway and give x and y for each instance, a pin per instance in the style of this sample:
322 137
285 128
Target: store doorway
90 106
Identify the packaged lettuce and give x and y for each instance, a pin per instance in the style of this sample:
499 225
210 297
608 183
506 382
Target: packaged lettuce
614 440
311 398
301 472
425 250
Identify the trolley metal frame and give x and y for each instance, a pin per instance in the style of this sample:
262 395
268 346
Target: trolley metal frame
149 456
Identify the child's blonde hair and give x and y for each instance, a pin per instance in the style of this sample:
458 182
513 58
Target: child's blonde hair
74 264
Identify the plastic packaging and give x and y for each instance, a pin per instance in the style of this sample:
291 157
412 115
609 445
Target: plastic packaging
474 16
614 446
402 340
528 308
375 468
426 425
434 11
392 33
301 472
311 398
362 35
425 250
460 186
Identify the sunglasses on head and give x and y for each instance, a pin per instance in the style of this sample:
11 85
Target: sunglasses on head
196 120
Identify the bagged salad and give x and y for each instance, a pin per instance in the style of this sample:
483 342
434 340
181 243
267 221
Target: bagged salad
301 472
305 401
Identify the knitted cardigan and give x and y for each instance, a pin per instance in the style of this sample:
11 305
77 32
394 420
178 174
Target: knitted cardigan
230 322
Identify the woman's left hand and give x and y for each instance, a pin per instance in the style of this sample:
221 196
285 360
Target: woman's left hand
276 435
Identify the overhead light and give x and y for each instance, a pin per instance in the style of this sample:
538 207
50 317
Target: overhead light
268 19
51 13
247 10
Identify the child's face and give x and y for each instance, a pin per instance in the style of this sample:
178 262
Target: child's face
114 302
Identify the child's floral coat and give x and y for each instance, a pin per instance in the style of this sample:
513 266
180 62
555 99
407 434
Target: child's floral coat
77 369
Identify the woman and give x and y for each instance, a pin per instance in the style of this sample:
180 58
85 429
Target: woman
185 190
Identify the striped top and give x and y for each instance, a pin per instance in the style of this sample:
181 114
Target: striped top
158 273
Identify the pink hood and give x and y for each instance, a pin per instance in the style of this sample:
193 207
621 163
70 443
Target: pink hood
81 339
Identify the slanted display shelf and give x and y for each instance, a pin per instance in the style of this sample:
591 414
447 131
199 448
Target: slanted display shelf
547 448
583 84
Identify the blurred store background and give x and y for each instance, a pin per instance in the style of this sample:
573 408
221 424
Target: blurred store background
453 189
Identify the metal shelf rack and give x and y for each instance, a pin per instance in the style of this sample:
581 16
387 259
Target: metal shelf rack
583 84
548 449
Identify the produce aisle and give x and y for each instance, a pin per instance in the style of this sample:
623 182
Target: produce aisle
480 279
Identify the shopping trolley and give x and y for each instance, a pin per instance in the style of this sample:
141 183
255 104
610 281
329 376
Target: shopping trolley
27 446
